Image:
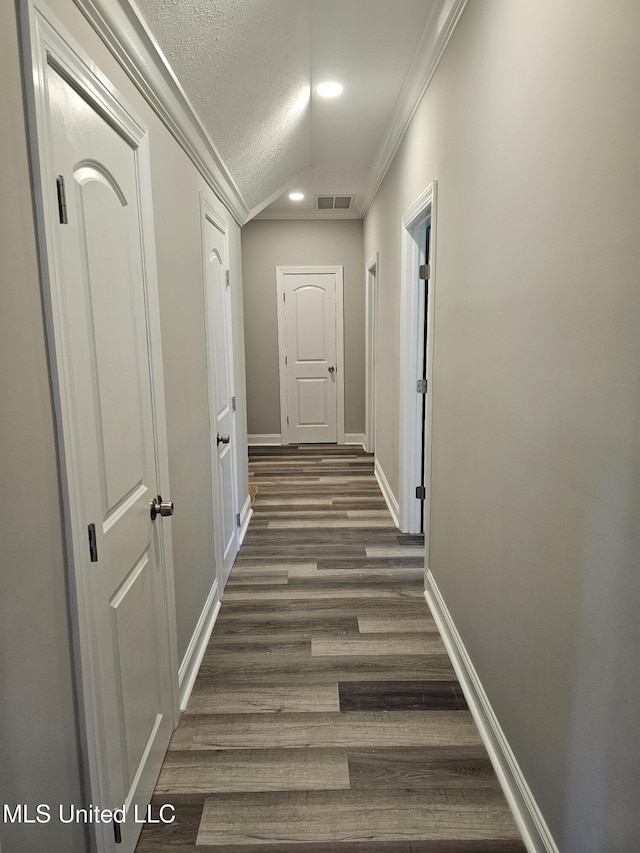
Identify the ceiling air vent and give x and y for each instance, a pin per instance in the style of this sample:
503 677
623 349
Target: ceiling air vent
334 202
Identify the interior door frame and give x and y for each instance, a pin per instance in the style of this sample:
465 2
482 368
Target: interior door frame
371 307
46 42
207 212
281 271
412 340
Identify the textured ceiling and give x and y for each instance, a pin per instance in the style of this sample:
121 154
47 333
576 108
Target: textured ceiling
249 68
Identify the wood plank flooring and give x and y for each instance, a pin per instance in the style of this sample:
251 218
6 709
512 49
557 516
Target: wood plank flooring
326 716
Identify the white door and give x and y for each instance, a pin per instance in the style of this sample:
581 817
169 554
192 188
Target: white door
222 400
311 346
104 299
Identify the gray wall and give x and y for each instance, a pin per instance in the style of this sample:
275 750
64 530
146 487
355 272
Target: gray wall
37 725
38 752
532 128
270 243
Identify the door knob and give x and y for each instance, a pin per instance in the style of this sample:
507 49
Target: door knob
222 439
161 508
331 369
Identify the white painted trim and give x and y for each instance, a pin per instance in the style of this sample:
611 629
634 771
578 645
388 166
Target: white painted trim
387 493
338 270
123 29
371 308
281 190
198 646
431 354
354 438
418 209
437 32
245 518
412 336
308 214
282 368
531 823
266 438
45 43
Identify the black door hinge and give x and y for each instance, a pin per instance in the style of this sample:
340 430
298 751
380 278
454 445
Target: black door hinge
421 493
62 200
93 545
425 272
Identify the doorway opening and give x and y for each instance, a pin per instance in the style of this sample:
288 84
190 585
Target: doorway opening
418 300
370 366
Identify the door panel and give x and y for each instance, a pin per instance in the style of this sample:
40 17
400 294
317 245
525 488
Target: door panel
105 320
104 221
311 349
133 628
221 377
216 282
312 402
310 324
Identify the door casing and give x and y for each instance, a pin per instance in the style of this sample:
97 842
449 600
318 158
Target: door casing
371 308
281 271
46 42
412 343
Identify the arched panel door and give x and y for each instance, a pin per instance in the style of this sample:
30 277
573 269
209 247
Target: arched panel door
310 302
103 325
222 395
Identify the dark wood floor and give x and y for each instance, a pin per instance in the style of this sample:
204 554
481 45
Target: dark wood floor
326 717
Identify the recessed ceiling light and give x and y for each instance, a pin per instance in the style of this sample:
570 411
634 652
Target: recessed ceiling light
329 90
296 196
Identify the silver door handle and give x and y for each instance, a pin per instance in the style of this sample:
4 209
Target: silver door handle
222 439
331 369
161 508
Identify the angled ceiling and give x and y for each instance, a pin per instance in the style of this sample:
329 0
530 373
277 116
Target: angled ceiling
250 67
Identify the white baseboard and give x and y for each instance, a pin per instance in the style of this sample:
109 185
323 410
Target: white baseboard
197 647
535 832
388 495
276 439
354 438
265 438
245 518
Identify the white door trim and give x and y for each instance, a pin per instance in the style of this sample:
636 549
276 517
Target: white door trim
371 302
411 336
46 42
207 212
309 270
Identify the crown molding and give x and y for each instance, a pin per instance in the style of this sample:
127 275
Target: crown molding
437 32
259 208
308 214
122 28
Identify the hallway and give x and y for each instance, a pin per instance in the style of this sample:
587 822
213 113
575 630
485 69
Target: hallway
326 717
